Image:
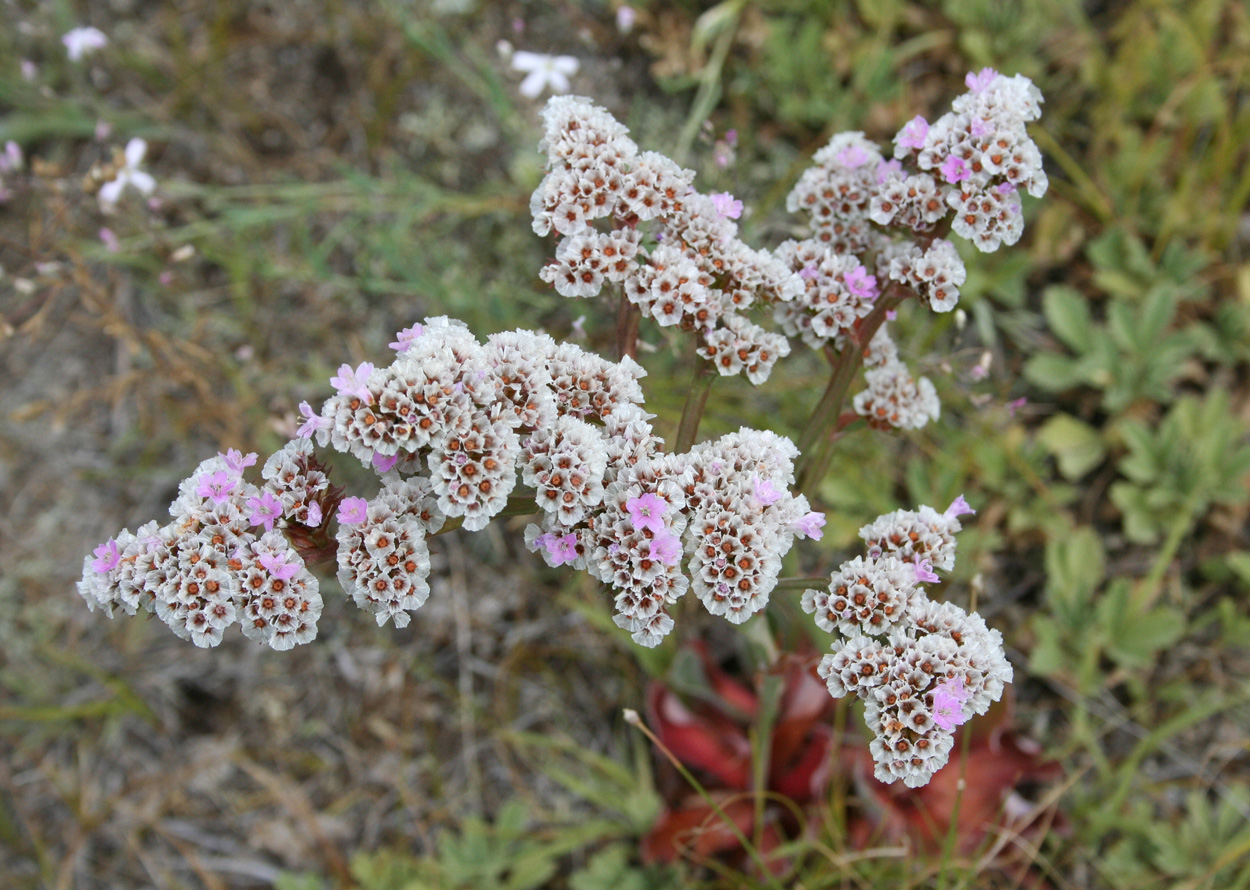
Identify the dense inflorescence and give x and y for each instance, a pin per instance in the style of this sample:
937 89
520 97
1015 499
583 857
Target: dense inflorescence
922 668
448 427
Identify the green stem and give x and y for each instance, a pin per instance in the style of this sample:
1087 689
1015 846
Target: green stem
816 443
696 399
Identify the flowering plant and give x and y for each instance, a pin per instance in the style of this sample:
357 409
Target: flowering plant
460 431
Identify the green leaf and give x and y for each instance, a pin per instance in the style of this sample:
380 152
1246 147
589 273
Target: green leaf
1067 313
1076 565
1053 373
1076 446
1135 635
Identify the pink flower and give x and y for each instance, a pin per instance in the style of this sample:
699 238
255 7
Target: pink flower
647 512
666 547
354 383
948 700
726 205
913 133
765 492
924 571
278 567
958 507
314 515
217 486
861 284
979 80
111 244
353 511
1006 188
891 314
731 137
384 464
886 169
1015 405
107 556
979 127
265 509
808 272
955 169
852 156
810 526
80 42
561 549
312 421
236 461
625 18
406 337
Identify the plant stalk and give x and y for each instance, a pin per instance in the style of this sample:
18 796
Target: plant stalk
696 399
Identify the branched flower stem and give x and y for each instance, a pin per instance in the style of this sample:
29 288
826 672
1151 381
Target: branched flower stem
696 398
627 317
816 443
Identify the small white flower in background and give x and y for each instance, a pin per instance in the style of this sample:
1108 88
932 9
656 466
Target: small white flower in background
11 159
83 41
543 71
625 18
129 174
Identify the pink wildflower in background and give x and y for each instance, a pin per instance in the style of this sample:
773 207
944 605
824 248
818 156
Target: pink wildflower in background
129 175
107 556
82 42
647 512
726 205
353 511
543 71
265 510
111 244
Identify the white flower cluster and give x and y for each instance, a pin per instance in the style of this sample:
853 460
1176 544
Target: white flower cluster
220 560
448 426
690 269
922 668
983 151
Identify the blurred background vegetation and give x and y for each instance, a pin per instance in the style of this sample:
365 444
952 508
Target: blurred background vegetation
331 172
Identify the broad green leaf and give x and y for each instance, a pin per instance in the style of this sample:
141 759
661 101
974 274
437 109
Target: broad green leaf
1076 446
1067 313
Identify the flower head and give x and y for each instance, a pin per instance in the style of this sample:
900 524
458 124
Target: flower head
217 486
265 510
80 42
647 511
129 174
544 71
353 511
312 421
955 169
913 133
726 205
107 556
355 383
810 526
